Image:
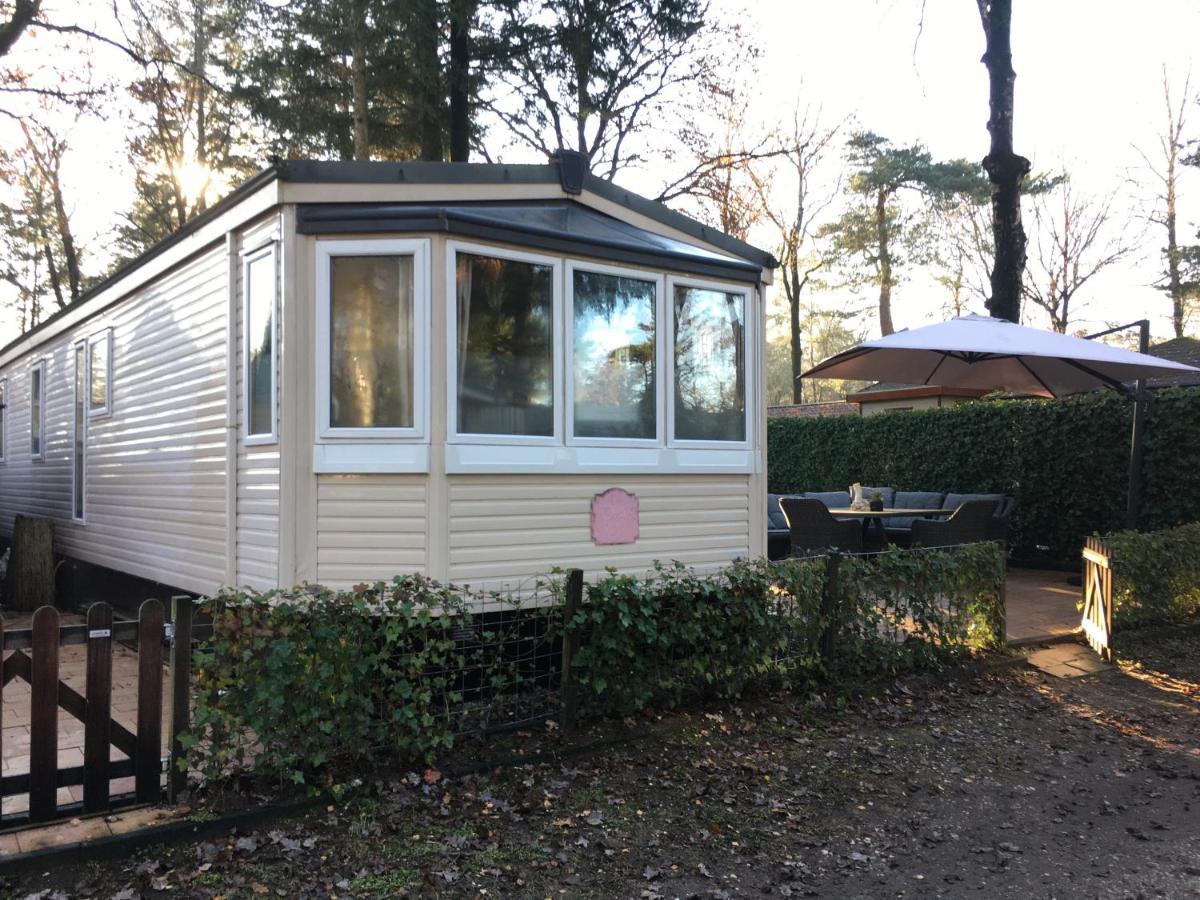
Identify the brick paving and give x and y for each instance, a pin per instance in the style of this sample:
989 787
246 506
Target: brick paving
1040 605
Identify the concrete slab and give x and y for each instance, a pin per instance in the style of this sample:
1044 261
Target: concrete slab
1068 661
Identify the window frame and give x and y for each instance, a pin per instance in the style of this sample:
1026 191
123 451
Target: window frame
38 366
556 265
106 335
658 279
750 361
419 250
249 257
80 381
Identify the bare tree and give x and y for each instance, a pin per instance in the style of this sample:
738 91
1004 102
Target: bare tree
1164 169
800 152
1006 169
1077 237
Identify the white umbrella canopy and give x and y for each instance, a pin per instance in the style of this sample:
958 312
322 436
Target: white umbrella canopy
975 351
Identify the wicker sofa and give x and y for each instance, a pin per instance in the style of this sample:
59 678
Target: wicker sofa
899 530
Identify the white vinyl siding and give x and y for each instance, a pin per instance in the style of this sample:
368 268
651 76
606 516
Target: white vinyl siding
257 542
505 530
155 469
370 527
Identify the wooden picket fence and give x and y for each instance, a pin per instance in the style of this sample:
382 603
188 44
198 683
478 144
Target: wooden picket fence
1097 622
32 654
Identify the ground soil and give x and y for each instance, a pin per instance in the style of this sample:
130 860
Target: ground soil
992 780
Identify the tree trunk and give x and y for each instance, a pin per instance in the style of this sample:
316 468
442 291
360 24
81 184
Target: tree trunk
1174 278
885 265
199 70
797 347
358 77
1005 169
462 14
429 79
30 582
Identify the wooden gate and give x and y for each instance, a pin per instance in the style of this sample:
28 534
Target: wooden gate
33 655
1098 597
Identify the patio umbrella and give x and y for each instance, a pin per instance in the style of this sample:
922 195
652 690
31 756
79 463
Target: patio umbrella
994 354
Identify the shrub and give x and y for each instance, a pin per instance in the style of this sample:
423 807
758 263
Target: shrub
1065 462
306 681
1156 575
301 685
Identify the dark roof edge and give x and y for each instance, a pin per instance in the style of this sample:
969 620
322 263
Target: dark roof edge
375 172
234 197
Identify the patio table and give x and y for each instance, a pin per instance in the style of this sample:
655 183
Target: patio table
876 516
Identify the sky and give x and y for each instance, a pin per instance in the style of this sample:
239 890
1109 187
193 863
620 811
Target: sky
1088 94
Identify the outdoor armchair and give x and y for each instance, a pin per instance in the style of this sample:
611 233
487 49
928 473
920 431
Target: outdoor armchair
813 530
968 524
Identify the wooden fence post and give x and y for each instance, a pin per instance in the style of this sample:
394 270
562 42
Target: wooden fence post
148 759
43 718
570 643
97 728
829 607
181 680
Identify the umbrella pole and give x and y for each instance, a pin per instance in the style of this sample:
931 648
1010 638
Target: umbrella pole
1140 399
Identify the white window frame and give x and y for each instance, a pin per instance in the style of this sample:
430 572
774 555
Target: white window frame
80 355
5 406
749 356
100 412
453 436
40 368
568 329
248 258
419 250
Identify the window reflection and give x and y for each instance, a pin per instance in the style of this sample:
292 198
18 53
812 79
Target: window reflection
505 321
710 368
260 340
614 356
371 342
98 372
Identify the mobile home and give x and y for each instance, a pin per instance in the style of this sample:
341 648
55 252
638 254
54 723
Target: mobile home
345 371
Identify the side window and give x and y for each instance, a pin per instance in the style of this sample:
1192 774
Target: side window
710 364
79 430
99 374
372 306
258 345
37 410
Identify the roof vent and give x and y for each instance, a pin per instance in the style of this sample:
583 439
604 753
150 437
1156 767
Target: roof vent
572 169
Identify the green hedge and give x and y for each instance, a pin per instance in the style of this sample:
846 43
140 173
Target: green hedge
307 686
1065 462
1156 575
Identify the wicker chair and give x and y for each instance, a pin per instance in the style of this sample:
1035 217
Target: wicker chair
968 524
813 530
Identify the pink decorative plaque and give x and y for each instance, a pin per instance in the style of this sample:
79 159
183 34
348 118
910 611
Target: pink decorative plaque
614 517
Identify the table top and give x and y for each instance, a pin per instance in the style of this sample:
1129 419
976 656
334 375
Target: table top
888 513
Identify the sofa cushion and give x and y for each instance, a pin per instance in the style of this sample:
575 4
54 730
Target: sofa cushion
954 501
912 500
831 499
775 517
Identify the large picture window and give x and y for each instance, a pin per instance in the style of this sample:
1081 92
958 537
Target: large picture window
258 318
504 353
37 410
79 431
709 363
613 355
372 302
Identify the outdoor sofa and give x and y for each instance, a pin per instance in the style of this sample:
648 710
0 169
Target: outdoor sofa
899 530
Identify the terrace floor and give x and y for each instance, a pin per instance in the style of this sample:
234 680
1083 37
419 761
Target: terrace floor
1040 605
